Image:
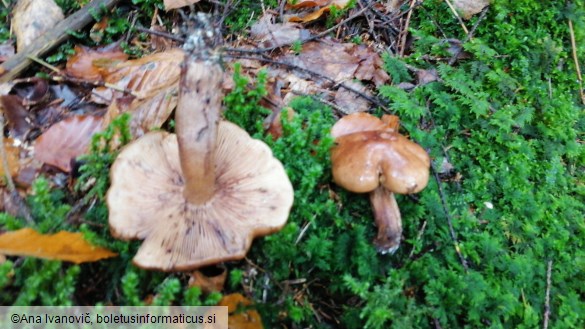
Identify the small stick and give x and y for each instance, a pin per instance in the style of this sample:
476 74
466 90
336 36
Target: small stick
22 208
576 60
457 15
547 296
449 220
420 233
469 35
404 32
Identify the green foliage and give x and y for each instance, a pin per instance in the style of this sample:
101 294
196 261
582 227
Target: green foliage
243 101
5 20
245 13
97 163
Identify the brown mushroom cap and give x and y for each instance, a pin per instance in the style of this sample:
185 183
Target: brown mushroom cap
364 160
253 197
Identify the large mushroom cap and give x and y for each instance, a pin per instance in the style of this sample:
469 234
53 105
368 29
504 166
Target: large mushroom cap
146 201
364 160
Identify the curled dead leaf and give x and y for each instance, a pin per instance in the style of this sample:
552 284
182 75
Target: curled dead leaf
66 140
208 282
65 246
242 315
312 16
156 79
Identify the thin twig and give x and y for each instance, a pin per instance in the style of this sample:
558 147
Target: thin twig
576 60
404 32
469 35
449 220
371 99
458 17
547 296
418 237
43 63
14 195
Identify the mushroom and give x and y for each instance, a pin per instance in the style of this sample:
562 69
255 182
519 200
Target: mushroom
198 197
370 156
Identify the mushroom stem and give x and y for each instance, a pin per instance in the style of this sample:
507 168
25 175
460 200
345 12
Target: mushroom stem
388 220
197 118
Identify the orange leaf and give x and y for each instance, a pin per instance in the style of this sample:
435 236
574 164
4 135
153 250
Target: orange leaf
241 316
91 64
66 140
13 157
208 283
66 246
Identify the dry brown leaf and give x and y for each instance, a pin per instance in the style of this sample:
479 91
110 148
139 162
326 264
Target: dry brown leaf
66 140
248 318
156 79
350 102
468 8
65 246
174 4
308 4
269 34
208 284
16 116
371 66
92 64
13 156
318 13
275 127
328 58
32 18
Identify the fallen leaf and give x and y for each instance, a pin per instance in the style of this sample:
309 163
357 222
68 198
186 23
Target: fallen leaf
32 18
241 315
327 58
349 101
174 4
371 66
92 64
16 115
308 4
13 156
318 13
468 8
269 34
424 77
208 283
65 246
275 127
155 78
66 140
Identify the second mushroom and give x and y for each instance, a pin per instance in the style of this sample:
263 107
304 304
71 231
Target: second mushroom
370 156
